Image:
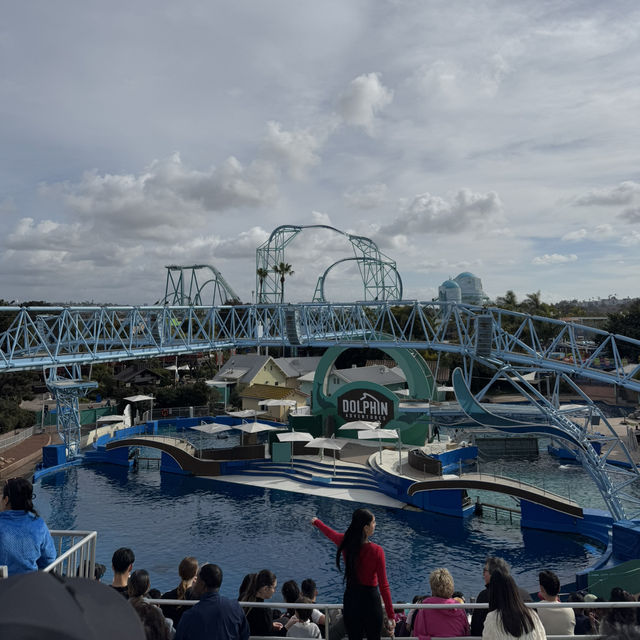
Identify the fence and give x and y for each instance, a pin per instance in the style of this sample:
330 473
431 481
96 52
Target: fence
79 559
328 608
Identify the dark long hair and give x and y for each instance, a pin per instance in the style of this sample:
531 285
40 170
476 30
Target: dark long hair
256 582
620 616
505 598
20 494
187 570
352 542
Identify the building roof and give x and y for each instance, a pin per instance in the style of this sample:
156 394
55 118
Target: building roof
268 391
131 372
378 375
242 367
297 367
450 284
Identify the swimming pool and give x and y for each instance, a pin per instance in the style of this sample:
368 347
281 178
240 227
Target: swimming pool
164 517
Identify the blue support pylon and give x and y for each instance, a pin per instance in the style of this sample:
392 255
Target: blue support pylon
66 391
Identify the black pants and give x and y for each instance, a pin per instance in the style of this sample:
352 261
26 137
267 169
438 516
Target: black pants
362 612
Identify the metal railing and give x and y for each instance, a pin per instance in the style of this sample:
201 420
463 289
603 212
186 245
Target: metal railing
327 608
11 439
79 558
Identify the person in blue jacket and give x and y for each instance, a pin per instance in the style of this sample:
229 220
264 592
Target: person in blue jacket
25 542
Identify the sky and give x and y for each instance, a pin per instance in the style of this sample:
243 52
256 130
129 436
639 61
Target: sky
500 138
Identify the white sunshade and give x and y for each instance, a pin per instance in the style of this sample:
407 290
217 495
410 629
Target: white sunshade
246 413
112 418
139 398
255 427
271 402
327 443
360 425
377 434
295 436
212 427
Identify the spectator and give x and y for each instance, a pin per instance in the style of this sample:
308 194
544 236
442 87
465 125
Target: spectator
508 618
153 621
365 569
122 565
260 588
138 585
25 542
138 588
290 594
214 616
583 621
246 581
556 622
309 590
440 623
614 619
187 570
303 627
492 563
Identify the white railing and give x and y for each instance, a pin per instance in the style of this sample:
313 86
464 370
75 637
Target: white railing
468 606
79 559
11 439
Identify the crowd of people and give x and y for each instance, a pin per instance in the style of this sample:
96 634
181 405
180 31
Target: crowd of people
368 610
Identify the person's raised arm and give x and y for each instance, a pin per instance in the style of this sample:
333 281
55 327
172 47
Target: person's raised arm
334 536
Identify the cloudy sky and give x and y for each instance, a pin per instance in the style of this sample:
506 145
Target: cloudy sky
501 138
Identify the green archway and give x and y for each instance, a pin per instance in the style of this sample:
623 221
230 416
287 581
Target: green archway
413 427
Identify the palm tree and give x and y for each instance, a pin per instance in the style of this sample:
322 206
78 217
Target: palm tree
283 269
262 276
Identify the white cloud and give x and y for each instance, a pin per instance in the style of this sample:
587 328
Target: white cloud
554 258
294 150
363 100
318 217
631 214
368 196
624 193
427 213
599 233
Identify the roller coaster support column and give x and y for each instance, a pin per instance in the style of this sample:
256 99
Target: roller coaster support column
66 391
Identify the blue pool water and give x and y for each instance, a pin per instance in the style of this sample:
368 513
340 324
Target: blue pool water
164 517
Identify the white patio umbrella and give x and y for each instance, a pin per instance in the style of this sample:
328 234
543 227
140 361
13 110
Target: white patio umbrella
246 413
335 444
360 425
379 434
210 428
255 427
142 398
272 402
294 436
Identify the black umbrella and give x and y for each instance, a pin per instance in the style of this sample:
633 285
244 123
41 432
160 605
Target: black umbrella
41 605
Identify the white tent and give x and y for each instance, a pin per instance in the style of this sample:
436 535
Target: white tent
335 444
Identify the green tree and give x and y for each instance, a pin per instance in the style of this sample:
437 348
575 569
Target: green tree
626 323
283 269
262 276
507 301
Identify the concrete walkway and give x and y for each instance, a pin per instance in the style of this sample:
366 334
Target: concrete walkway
22 458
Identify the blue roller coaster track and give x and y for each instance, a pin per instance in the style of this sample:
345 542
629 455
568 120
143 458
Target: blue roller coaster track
62 339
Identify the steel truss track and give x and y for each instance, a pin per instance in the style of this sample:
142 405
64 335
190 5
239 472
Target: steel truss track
40 337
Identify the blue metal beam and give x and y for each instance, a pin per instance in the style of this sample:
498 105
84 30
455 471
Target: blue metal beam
52 336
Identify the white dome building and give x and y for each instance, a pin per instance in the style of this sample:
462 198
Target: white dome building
470 288
449 291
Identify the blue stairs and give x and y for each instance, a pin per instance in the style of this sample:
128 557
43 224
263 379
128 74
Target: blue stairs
315 472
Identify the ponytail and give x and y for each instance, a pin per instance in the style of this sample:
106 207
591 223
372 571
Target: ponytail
19 491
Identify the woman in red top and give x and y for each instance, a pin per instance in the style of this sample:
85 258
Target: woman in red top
364 571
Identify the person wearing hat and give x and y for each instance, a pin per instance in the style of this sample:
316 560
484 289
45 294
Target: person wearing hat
214 616
25 542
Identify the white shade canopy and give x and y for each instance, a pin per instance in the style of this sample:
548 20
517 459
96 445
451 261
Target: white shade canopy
360 425
255 427
112 418
212 427
272 402
327 443
295 436
139 398
377 433
246 413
